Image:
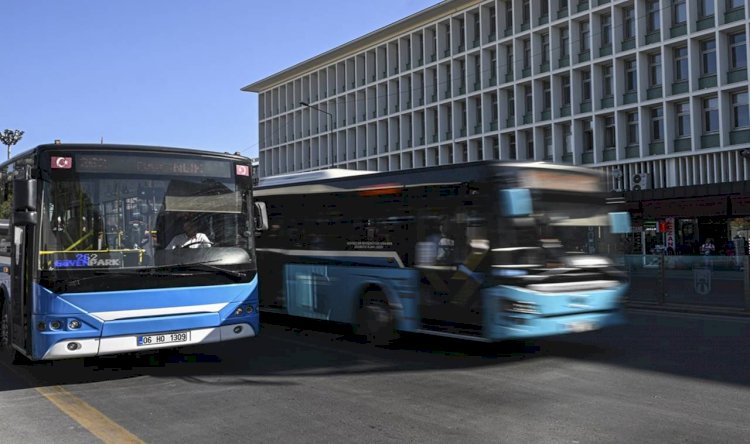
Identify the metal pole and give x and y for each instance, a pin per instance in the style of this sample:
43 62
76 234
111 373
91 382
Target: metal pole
330 129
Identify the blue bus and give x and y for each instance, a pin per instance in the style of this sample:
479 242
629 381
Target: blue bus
484 251
115 248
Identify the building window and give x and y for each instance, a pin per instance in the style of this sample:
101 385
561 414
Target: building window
585 41
631 76
609 132
547 142
586 85
711 115
682 113
512 146
654 16
680 63
526 12
493 111
493 64
526 53
679 12
529 144
740 111
734 4
632 132
566 142
564 42
657 124
606 31
708 57
493 20
629 22
737 50
654 69
528 99
511 104
509 15
588 136
706 8
565 80
547 97
607 80
544 8
545 48
509 59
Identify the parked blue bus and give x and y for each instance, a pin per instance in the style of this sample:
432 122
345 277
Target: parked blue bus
88 271
484 250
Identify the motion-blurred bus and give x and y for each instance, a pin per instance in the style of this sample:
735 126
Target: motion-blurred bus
484 251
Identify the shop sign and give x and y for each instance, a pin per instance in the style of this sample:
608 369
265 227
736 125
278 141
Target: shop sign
650 226
669 222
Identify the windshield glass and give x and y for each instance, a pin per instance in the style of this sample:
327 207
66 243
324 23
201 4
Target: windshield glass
562 224
110 212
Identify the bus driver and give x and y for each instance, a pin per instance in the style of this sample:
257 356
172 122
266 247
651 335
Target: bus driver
191 238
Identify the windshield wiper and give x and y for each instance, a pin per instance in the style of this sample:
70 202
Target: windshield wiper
204 266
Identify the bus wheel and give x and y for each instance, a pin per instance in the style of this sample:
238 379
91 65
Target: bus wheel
6 349
375 319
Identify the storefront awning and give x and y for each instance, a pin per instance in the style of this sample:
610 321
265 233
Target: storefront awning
693 207
740 205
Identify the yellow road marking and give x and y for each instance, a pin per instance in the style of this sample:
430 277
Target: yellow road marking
90 418
96 422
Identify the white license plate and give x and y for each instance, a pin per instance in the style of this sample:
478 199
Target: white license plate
164 338
578 327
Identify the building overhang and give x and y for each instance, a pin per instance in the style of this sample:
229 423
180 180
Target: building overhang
373 39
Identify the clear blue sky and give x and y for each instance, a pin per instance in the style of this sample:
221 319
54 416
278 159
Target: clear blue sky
162 72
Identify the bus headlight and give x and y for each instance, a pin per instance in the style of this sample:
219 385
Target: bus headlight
55 325
238 311
74 324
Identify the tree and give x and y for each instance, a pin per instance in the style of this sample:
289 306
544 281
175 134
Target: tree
10 138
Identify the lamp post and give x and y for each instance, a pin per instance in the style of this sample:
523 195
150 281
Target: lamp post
330 129
10 138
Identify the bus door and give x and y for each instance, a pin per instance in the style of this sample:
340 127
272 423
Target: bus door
22 264
450 262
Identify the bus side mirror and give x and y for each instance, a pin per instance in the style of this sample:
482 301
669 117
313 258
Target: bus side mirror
619 222
261 216
24 202
516 202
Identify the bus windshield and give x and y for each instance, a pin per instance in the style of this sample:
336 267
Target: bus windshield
96 221
563 225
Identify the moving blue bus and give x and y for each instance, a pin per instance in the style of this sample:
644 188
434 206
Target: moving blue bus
484 251
116 248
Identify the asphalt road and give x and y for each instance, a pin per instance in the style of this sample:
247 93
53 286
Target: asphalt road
661 378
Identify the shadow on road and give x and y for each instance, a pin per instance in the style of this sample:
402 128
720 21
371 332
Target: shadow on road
687 346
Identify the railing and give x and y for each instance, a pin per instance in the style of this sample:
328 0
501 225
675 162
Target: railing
720 283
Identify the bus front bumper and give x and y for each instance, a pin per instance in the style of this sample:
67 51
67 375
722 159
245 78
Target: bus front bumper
86 347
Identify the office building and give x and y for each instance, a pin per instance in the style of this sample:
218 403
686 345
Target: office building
652 92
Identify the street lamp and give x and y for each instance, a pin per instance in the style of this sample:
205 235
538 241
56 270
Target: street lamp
10 138
330 129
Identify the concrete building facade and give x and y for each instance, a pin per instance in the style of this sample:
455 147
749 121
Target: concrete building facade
652 92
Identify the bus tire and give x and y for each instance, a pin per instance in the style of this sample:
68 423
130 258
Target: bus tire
375 320
6 349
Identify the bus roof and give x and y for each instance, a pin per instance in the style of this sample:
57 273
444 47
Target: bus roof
338 180
122 147
309 176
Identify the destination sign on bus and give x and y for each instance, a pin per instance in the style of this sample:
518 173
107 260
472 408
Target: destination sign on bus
560 180
152 165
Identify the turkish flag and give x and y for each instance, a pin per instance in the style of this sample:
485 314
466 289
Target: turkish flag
243 170
63 163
